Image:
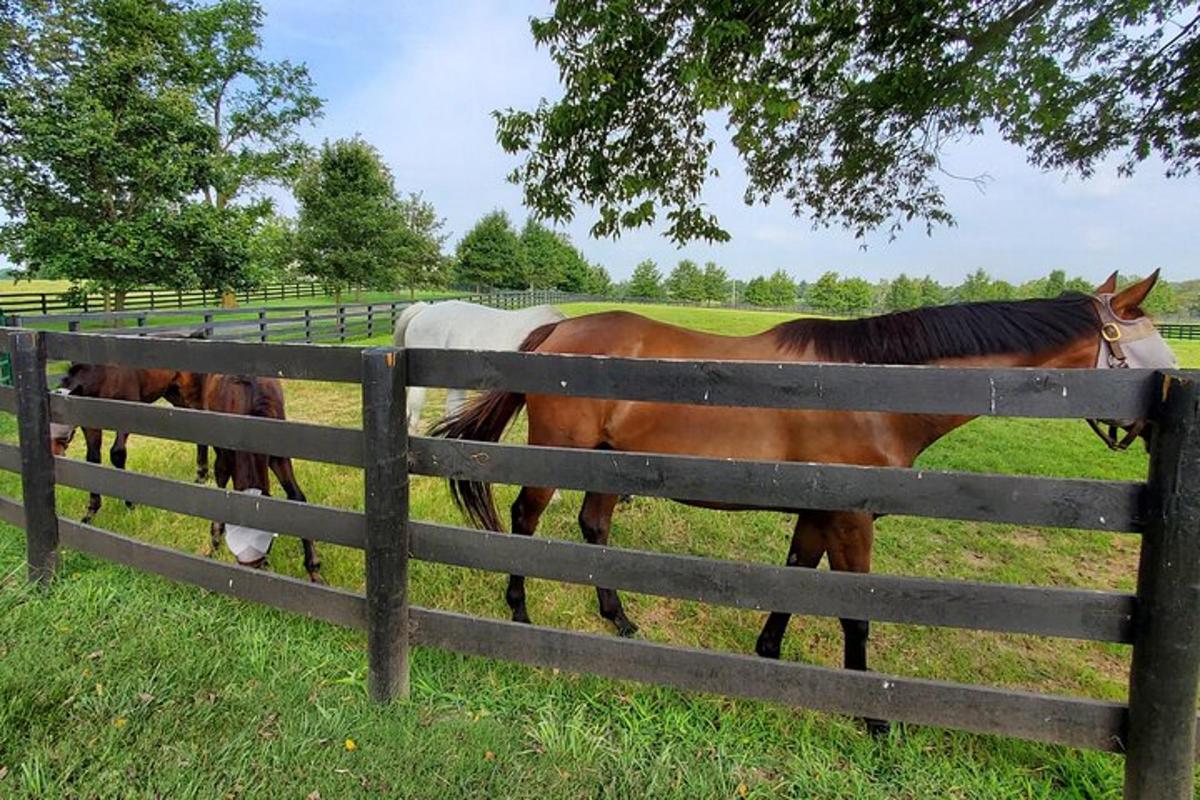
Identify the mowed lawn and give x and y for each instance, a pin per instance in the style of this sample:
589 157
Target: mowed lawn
118 684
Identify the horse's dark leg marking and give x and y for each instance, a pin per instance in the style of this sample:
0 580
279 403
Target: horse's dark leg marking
201 463
282 467
808 545
850 540
595 518
222 471
526 511
94 437
117 455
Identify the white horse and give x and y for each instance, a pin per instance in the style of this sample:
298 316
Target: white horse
455 325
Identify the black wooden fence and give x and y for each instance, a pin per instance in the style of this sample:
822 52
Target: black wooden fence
51 302
321 323
1156 730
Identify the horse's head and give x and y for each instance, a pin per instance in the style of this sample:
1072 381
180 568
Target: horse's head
1128 339
61 435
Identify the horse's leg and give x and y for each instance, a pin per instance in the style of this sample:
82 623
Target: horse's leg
117 455
808 545
222 472
594 520
526 511
851 536
414 404
201 463
94 437
282 467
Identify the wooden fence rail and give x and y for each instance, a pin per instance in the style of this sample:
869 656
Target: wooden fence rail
1156 729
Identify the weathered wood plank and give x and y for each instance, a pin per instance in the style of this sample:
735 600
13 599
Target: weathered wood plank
1166 647
28 349
300 597
1061 502
1070 721
1072 613
252 434
10 457
1077 393
8 399
385 483
309 362
304 520
12 512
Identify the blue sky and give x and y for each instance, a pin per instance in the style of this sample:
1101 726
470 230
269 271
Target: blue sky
420 80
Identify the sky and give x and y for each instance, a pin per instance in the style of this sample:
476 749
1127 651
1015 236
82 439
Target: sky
419 80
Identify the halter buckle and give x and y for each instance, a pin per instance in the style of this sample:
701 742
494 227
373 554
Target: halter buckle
1110 332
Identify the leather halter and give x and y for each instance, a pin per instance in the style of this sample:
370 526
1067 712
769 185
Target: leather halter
1115 333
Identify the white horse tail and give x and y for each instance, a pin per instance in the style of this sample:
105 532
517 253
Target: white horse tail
406 316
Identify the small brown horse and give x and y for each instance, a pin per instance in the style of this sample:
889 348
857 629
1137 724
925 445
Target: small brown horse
1070 331
114 382
226 394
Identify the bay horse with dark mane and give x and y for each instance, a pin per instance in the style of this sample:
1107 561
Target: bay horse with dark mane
226 394
1074 330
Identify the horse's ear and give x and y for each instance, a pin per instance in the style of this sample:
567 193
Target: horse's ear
1132 297
1109 286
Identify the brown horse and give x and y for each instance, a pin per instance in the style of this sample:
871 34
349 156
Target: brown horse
1070 331
114 382
227 394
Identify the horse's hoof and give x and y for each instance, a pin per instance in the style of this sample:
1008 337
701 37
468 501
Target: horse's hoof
87 518
878 728
625 628
767 648
129 504
314 576
522 617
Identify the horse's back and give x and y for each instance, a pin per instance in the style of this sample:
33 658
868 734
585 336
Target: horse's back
458 325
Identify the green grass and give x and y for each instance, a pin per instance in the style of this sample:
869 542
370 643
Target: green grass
118 684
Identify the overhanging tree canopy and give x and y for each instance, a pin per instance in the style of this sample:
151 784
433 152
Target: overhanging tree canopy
842 108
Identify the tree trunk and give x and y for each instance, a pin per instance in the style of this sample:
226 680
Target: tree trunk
358 294
337 297
228 300
118 304
412 293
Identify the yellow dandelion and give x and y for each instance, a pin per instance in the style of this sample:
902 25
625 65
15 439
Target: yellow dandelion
351 746
743 790
120 722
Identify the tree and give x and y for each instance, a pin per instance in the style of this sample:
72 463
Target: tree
715 283
490 255
273 250
903 293
823 293
351 231
976 288
419 259
599 281
776 291
686 282
545 261
855 294
646 281
843 108
932 293
255 107
102 148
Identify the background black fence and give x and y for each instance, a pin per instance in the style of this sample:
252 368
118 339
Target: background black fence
1156 729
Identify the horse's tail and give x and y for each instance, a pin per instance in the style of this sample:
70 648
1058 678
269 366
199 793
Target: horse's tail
406 316
484 419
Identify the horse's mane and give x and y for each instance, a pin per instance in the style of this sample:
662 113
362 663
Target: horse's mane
963 330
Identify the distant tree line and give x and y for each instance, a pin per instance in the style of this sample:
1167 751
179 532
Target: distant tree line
833 293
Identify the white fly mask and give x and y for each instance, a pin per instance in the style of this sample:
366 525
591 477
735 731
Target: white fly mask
1127 344
59 433
248 545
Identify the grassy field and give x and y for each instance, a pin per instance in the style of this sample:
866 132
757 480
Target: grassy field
118 684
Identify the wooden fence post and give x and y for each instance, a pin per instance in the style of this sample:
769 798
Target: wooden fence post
28 351
1161 737
370 320
308 325
262 324
341 323
208 328
385 434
